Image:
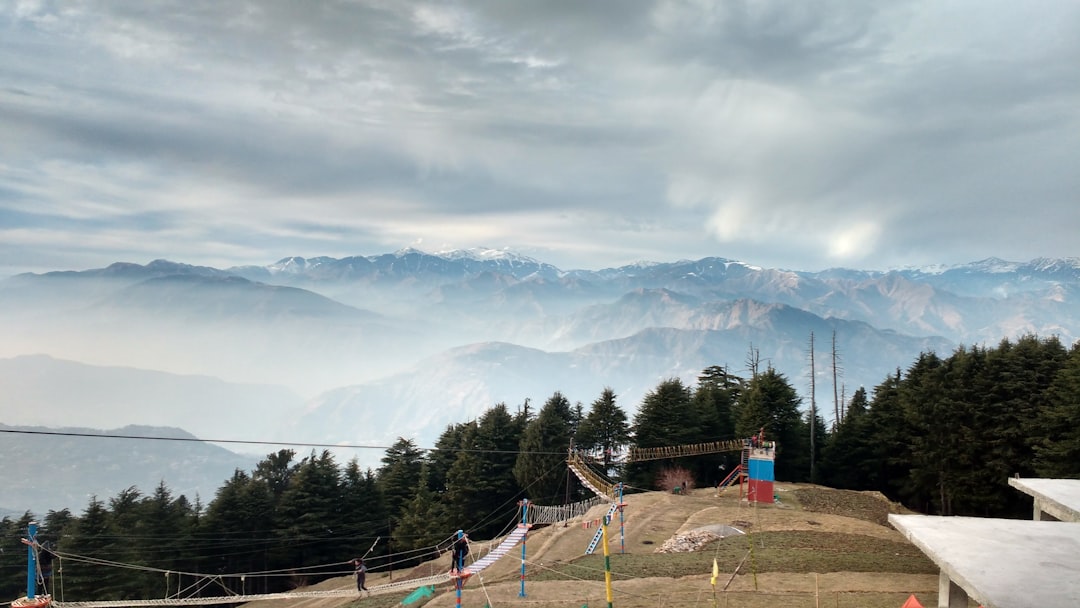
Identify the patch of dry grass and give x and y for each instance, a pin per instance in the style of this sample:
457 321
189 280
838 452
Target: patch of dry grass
790 551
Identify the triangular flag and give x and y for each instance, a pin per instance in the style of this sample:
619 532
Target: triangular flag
715 572
912 603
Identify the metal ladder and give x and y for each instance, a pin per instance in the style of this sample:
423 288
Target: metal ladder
600 531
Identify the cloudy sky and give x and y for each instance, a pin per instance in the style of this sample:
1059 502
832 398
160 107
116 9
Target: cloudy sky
798 135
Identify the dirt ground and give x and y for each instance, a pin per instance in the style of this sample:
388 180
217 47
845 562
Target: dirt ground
650 519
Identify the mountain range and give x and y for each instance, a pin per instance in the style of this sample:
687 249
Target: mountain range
362 349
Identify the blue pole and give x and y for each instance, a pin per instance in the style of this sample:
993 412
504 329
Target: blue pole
460 567
524 522
622 522
31 563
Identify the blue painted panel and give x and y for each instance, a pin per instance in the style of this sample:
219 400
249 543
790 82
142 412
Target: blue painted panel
761 469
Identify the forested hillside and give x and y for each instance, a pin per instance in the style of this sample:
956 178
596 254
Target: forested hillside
941 436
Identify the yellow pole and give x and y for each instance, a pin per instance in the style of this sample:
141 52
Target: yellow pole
607 562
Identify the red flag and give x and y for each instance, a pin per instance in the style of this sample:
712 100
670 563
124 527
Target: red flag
912 603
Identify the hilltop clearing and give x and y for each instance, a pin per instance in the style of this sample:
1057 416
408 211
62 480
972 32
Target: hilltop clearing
816 546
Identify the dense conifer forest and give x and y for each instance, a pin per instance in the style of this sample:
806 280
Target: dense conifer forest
941 436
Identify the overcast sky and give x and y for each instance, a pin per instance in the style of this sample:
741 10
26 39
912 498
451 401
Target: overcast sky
799 135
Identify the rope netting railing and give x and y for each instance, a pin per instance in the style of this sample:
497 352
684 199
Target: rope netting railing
679 451
489 557
595 483
544 514
284 595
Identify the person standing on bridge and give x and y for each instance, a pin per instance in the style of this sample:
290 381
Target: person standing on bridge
460 550
361 573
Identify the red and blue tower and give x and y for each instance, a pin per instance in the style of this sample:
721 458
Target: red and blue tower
760 465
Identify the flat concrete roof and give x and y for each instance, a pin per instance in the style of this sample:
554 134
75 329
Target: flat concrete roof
1002 563
1058 497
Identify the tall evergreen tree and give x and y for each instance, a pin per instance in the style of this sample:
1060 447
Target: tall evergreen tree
399 475
849 448
158 536
309 516
276 471
933 424
365 513
770 403
890 437
465 497
13 557
241 515
540 468
498 436
666 417
423 523
604 428
1057 443
93 538
447 449
715 397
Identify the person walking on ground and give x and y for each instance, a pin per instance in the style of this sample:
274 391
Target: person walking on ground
361 573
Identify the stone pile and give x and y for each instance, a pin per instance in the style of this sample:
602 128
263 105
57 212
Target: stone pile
687 542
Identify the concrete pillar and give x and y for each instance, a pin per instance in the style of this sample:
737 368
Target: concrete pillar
1041 515
950 595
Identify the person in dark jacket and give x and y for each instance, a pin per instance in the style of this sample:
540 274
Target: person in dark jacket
461 549
361 573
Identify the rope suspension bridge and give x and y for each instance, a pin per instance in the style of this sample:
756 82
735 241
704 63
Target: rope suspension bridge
529 515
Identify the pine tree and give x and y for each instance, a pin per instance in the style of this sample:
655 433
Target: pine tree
1057 443
715 398
447 449
465 499
541 466
309 512
93 538
399 475
849 448
242 512
363 506
157 529
12 558
276 471
890 439
498 436
422 524
770 403
667 417
605 428
932 417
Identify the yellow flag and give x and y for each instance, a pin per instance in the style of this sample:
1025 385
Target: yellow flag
715 572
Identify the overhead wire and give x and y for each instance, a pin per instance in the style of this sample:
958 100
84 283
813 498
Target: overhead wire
354 446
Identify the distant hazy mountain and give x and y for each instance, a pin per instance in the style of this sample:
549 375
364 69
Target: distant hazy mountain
459 384
45 472
403 343
41 390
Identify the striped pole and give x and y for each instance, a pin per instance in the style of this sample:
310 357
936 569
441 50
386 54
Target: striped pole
607 563
31 562
524 523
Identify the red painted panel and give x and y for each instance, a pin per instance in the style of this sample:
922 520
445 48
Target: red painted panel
760 491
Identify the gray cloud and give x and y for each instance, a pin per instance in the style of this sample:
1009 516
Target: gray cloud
821 134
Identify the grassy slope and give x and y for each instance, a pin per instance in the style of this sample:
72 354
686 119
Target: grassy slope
817 547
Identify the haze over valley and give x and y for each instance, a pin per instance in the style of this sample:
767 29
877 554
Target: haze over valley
361 350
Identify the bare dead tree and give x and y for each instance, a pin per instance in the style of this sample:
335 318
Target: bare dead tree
838 412
813 407
753 360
